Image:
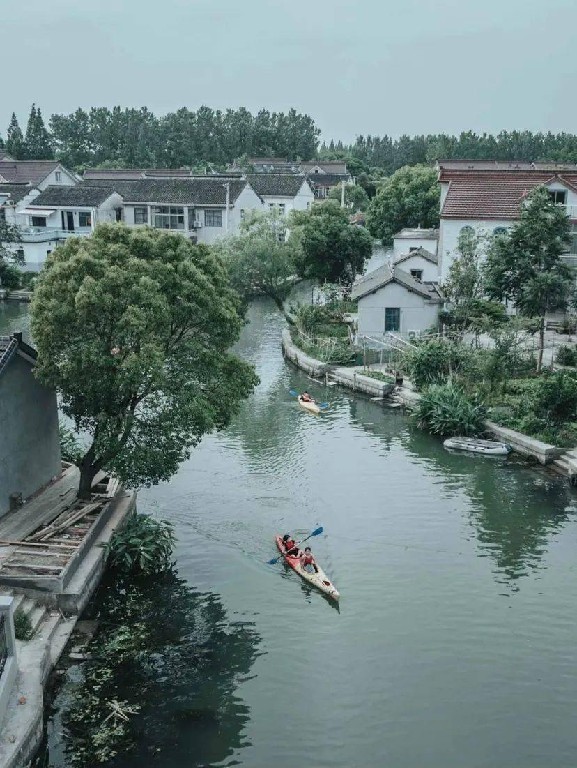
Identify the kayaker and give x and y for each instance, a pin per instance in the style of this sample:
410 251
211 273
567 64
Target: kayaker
308 561
306 398
290 545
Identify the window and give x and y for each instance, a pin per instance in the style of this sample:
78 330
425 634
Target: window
413 248
48 253
140 214
38 221
392 319
20 255
168 217
558 196
271 206
58 176
417 274
192 222
466 230
242 214
213 218
281 208
84 219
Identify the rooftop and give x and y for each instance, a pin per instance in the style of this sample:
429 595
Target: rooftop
328 166
15 192
198 190
325 179
392 274
26 171
82 195
276 184
422 252
416 233
91 174
502 165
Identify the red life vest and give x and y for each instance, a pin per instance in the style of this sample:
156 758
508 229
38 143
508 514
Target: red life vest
308 559
289 544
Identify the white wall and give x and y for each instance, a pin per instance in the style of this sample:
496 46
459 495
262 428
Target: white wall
417 314
449 238
66 179
35 254
430 270
401 246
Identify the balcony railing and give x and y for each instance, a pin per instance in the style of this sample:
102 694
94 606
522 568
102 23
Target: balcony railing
43 234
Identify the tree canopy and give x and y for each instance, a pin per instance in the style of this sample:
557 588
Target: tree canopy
15 145
133 328
525 266
259 259
409 198
328 247
356 199
37 140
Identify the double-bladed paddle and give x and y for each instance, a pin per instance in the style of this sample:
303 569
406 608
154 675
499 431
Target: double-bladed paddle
296 394
316 532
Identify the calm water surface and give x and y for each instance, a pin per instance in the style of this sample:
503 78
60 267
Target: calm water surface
455 640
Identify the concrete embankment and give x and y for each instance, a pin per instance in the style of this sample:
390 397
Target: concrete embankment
352 378
56 615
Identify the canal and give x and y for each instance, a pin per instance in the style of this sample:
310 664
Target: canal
454 644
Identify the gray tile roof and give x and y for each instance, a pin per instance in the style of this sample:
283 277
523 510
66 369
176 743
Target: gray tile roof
16 192
418 252
80 195
387 274
200 190
276 184
328 166
416 233
127 174
326 179
8 347
26 171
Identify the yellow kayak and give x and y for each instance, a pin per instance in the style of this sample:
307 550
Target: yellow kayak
309 405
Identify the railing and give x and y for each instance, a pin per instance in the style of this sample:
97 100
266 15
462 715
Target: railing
42 234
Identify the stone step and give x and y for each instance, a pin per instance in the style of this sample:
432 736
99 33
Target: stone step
37 616
27 606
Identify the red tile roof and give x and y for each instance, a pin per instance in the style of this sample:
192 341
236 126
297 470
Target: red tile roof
495 194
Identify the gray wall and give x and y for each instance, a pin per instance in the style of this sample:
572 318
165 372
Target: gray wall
29 440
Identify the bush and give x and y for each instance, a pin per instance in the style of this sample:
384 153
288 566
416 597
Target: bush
434 361
566 355
22 625
445 410
553 398
28 280
143 545
10 276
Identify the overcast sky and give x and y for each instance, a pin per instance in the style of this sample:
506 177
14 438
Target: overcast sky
356 66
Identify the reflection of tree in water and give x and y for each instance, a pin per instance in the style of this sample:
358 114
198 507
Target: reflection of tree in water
184 674
514 509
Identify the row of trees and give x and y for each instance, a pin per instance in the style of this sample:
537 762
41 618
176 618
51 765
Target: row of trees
138 138
385 154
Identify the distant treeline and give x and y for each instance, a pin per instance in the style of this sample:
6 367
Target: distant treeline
137 138
387 154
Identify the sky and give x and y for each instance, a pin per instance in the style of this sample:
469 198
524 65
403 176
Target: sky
356 66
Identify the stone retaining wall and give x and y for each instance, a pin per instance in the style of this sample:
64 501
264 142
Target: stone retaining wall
525 445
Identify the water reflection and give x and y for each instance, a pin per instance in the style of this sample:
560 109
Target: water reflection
14 317
190 661
515 510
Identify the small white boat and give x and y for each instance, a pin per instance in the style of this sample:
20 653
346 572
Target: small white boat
309 405
475 445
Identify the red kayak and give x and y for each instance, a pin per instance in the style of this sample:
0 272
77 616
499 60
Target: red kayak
318 580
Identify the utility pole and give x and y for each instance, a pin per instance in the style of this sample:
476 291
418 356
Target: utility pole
227 187
343 193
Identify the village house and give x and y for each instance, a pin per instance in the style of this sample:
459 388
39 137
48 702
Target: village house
391 300
412 238
325 175
486 197
29 437
282 192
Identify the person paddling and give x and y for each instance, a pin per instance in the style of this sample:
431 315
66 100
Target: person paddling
308 561
290 545
306 398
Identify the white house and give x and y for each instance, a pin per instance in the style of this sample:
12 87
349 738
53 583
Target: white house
60 212
487 197
37 173
282 192
390 300
411 238
420 264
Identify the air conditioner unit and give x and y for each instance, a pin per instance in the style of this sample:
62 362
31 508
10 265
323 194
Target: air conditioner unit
197 224
413 334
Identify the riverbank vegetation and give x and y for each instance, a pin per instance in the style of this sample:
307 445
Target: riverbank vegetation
133 329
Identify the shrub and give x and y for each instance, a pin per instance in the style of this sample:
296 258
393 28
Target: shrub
144 544
10 276
434 361
553 397
22 625
445 410
566 355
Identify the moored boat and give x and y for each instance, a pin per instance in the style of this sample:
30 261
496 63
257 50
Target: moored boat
476 445
319 580
309 405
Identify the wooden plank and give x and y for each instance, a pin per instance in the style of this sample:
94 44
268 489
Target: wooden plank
14 566
61 523
35 544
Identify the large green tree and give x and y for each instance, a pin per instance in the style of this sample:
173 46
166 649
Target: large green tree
356 199
15 145
259 259
9 273
133 329
327 247
525 267
38 144
409 198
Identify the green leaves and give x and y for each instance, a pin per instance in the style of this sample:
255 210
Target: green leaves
446 411
143 545
408 198
133 329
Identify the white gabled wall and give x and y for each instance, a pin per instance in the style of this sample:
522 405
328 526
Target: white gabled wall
430 270
67 179
417 314
403 245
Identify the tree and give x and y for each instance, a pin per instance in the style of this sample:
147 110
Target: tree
38 144
408 198
9 274
356 199
525 266
259 260
15 145
328 248
133 329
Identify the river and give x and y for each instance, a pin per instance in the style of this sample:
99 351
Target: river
454 644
